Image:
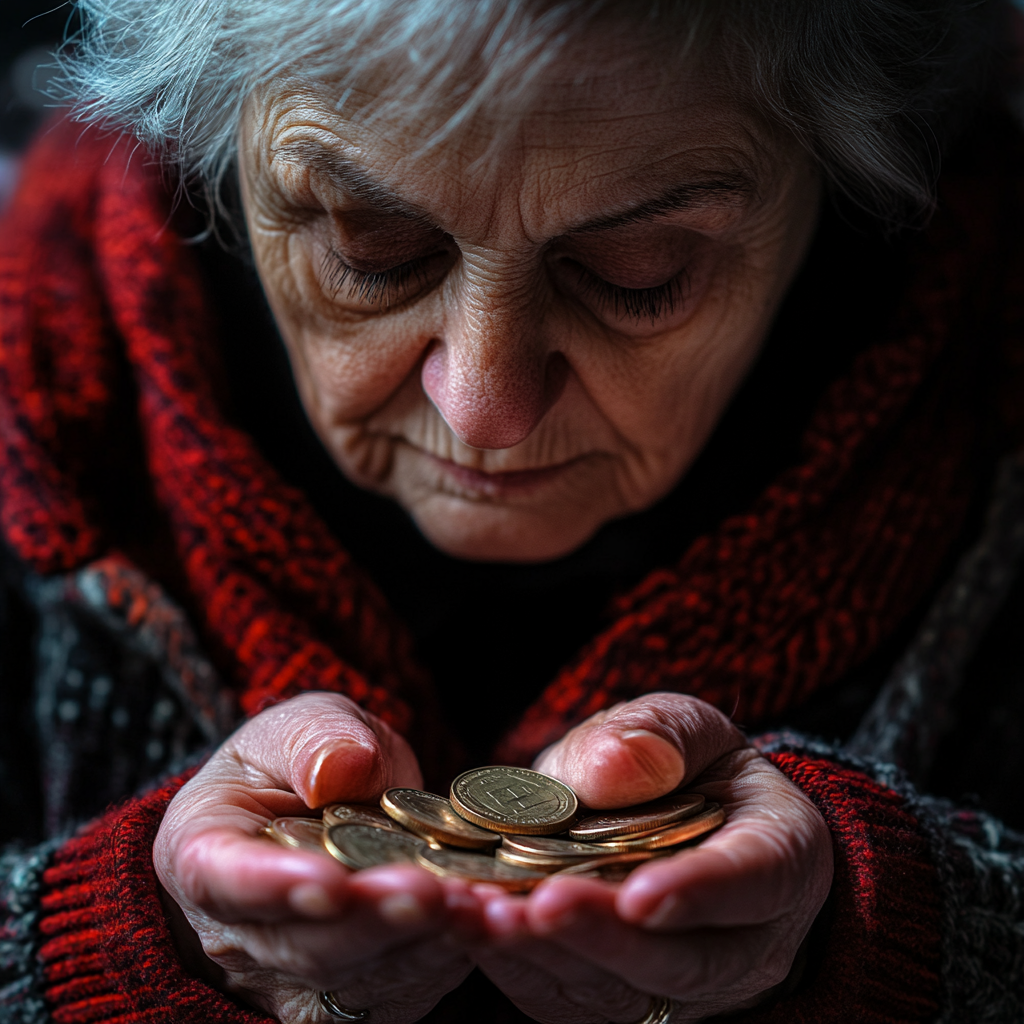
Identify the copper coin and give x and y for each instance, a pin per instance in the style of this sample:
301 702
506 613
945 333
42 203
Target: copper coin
552 847
632 821
531 861
476 867
515 800
356 814
711 817
297 833
363 846
613 868
433 818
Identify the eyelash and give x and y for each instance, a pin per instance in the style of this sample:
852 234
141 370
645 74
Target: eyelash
379 287
637 303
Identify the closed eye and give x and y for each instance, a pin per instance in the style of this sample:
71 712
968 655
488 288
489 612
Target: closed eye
636 304
380 288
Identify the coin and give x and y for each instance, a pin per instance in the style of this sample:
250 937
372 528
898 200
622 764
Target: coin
535 861
363 846
356 814
475 867
612 868
297 833
711 817
515 800
432 818
549 846
632 821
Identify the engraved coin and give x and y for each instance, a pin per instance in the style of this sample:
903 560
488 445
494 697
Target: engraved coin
632 821
363 846
551 847
475 867
433 818
297 833
515 800
711 817
356 814
613 868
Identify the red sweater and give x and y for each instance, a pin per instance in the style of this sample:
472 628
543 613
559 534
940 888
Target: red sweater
773 606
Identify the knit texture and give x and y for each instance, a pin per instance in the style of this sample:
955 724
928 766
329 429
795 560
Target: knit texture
105 338
106 950
21 976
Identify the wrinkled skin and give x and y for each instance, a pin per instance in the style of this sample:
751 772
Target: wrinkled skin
714 926
517 350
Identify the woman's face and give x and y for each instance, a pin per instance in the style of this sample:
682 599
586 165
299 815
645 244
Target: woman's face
519 349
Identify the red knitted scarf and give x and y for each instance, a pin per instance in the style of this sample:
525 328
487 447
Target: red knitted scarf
106 332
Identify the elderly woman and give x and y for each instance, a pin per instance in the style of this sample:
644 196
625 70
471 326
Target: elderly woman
451 349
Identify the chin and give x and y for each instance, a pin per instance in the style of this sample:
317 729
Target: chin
482 532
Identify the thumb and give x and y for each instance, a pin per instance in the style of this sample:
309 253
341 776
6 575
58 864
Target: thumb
325 748
640 750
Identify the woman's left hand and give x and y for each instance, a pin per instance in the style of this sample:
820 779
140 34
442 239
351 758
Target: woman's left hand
715 926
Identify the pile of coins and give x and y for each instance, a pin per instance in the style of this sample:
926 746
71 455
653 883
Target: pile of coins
511 827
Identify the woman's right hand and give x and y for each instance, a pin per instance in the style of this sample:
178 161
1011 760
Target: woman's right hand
275 925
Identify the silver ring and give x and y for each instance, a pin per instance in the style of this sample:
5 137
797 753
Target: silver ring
660 1011
329 1004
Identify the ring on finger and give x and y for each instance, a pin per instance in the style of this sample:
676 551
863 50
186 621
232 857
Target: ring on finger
660 1011
329 1004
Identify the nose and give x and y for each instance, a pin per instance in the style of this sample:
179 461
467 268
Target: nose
492 378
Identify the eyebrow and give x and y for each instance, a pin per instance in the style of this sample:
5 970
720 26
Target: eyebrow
351 176
727 190
723 190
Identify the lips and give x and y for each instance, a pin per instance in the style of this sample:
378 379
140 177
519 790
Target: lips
505 483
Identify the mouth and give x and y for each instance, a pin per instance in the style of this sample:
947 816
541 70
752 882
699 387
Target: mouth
478 483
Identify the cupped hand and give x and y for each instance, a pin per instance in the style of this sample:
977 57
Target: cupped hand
273 924
715 926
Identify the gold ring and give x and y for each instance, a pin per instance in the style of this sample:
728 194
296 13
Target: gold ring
660 1011
329 1004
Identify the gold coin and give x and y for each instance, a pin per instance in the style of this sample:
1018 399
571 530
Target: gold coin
535 861
364 846
551 847
633 821
297 833
433 818
711 817
356 814
515 800
613 868
475 867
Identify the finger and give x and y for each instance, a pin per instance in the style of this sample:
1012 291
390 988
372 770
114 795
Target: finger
640 750
325 748
773 857
682 965
388 909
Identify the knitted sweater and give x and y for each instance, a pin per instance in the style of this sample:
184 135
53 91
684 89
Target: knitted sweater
178 583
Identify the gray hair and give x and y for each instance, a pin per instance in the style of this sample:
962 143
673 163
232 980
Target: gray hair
873 89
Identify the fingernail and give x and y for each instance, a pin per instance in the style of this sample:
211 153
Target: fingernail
664 913
312 900
639 734
317 785
402 908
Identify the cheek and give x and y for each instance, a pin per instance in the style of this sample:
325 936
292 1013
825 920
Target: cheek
345 367
350 374
664 395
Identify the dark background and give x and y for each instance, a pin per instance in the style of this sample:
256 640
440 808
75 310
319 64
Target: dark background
29 31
